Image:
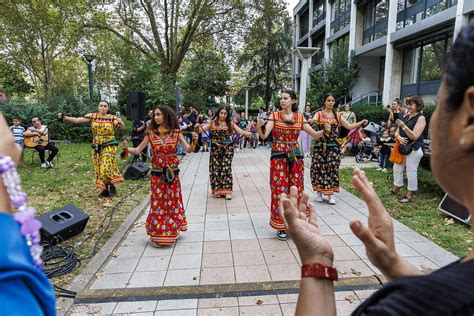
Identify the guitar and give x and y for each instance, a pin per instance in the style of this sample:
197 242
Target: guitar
37 140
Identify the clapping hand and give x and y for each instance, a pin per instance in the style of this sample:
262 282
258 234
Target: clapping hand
124 144
312 247
260 123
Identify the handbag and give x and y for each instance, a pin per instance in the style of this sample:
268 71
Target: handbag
405 149
395 155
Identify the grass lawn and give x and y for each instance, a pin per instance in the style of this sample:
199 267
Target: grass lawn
71 181
422 215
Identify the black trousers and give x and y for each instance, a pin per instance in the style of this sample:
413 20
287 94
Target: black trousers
135 143
53 151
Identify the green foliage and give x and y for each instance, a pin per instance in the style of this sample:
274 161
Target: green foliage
257 103
373 113
12 80
337 76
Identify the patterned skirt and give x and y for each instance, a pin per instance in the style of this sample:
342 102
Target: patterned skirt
325 169
166 218
220 169
105 167
281 179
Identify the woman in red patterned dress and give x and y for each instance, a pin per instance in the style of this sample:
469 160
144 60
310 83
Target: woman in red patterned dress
287 161
166 218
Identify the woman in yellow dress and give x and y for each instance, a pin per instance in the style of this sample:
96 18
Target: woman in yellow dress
104 146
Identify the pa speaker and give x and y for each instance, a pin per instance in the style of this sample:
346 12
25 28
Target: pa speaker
63 223
137 170
136 106
455 209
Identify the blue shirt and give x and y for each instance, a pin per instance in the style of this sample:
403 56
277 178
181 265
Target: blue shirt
18 133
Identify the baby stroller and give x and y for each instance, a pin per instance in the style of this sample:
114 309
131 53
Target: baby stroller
369 150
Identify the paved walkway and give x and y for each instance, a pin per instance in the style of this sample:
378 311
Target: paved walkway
229 243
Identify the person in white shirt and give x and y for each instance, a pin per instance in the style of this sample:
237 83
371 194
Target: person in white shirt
40 130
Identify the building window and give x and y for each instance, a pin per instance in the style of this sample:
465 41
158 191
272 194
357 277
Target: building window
318 41
341 14
341 45
375 20
304 23
423 64
412 11
319 11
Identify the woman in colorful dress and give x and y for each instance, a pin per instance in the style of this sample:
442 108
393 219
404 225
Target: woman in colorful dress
166 218
305 137
222 151
326 152
286 162
104 144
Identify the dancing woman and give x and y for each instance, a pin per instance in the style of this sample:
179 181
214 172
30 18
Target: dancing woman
222 151
166 218
286 162
104 144
326 152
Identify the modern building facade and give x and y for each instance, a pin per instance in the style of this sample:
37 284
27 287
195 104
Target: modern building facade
400 44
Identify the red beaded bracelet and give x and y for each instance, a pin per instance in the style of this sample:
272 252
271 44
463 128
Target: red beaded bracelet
319 271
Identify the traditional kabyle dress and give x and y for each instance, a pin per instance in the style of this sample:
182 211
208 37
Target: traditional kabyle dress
220 161
326 156
286 163
166 218
104 147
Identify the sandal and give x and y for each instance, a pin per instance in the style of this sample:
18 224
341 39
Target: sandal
394 192
406 200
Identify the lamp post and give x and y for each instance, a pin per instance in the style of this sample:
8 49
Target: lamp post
247 88
304 54
89 59
177 97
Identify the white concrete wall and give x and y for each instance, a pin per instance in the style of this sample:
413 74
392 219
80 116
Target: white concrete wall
368 77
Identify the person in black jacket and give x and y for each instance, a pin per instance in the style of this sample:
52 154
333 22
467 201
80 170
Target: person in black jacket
447 291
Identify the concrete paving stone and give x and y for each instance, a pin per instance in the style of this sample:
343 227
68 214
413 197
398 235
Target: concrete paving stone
342 295
217 302
238 217
177 312
399 227
217 246
259 216
88 309
352 268
261 224
187 248
248 258
410 236
246 274
442 260
334 241
216 211
191 237
265 233
350 239
334 219
245 245
284 272
195 218
247 224
135 241
428 248
182 277
288 309
213 235
229 311
364 294
258 300
360 253
152 251
177 304
130 251
191 261
111 281
216 218
217 226
422 263
223 275
195 211
325 212
135 307
346 253
237 211
287 298
158 263
215 260
372 267
326 230
242 234
121 265
345 308
195 227
291 244
147 279
341 229
281 256
405 250
261 310
273 244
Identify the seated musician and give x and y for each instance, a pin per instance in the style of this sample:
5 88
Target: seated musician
40 132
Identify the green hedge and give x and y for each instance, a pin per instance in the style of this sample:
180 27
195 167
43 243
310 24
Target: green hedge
48 113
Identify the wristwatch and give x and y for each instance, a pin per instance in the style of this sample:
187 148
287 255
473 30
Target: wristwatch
319 271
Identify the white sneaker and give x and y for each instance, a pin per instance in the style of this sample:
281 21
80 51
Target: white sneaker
50 164
378 169
319 197
228 197
44 165
332 200
384 170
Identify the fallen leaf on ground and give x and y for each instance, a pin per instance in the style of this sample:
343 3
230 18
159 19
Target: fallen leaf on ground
259 302
425 267
350 298
114 254
448 221
358 273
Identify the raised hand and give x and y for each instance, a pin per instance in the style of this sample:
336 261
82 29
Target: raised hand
312 247
124 144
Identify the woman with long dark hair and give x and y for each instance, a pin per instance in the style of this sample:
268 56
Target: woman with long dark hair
222 151
166 218
287 161
326 152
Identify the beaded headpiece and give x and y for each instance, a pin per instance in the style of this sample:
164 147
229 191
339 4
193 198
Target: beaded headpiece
25 215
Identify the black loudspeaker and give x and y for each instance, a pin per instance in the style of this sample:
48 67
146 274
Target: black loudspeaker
455 209
63 223
136 106
137 170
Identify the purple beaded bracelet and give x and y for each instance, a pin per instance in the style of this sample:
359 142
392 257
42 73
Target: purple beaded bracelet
25 215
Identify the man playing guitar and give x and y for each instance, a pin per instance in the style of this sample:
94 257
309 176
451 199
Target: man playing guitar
36 136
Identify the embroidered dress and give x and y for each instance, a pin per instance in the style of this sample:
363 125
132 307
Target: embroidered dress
220 161
286 163
326 157
103 154
166 218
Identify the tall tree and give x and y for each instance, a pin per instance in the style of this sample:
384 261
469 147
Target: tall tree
266 55
12 81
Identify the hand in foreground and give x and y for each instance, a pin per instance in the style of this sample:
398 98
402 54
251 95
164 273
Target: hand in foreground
402 140
400 123
8 147
378 238
195 136
312 247
124 144
260 122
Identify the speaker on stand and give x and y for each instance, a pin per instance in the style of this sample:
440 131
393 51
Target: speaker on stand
136 106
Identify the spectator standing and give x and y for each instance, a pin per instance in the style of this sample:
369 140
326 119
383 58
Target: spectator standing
385 150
